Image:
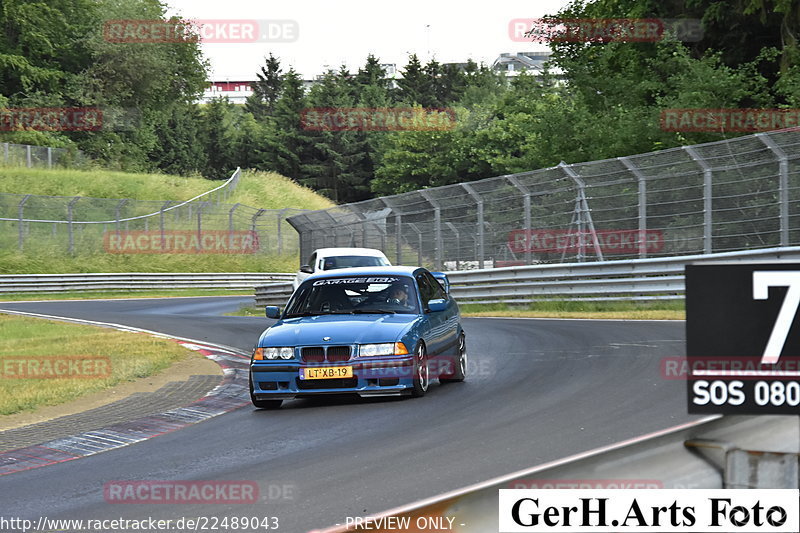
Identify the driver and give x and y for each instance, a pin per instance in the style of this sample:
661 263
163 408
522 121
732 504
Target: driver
398 294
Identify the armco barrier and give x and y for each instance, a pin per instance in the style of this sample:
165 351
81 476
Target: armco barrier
631 280
53 283
666 459
273 294
637 279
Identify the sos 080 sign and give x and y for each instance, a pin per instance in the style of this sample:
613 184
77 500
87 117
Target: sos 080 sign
743 338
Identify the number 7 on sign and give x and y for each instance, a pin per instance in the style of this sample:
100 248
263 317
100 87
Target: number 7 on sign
762 281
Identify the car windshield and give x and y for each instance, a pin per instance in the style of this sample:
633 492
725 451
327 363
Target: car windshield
349 261
354 295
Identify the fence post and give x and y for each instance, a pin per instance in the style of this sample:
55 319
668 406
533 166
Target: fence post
398 229
5 152
783 185
161 218
253 226
49 157
20 209
28 159
437 228
281 215
458 241
200 207
117 212
481 238
642 181
708 228
583 214
230 221
398 235
70 232
419 245
526 205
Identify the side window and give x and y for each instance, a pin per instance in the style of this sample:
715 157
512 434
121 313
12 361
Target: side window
313 260
426 291
438 291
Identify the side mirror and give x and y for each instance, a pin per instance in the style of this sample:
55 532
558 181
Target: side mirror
273 311
434 306
306 269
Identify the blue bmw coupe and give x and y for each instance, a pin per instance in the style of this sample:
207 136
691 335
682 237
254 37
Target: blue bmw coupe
377 331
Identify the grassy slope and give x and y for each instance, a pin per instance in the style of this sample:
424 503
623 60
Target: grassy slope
257 189
266 190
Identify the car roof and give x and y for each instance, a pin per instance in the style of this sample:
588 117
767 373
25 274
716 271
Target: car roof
332 252
367 271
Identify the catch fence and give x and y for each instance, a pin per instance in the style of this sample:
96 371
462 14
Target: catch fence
203 224
737 194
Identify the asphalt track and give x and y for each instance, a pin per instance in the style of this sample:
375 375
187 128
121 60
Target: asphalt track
537 390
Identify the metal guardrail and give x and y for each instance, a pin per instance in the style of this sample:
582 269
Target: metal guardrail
631 280
53 283
636 279
274 294
666 459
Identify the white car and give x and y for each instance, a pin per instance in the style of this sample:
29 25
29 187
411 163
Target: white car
333 258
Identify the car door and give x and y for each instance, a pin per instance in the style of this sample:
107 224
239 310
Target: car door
435 335
450 316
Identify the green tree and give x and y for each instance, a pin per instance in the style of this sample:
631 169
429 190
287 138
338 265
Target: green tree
266 90
415 87
218 138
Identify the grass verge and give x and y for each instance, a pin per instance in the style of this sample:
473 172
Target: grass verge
114 357
658 310
98 295
247 310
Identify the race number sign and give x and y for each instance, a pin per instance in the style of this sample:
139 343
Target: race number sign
743 338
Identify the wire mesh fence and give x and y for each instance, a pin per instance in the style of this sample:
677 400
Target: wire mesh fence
204 224
25 155
738 194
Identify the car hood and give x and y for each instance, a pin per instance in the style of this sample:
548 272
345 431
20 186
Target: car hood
342 329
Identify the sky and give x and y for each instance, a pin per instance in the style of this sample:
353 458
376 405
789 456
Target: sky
332 33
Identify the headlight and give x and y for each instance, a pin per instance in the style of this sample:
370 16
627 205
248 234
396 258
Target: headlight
286 352
387 348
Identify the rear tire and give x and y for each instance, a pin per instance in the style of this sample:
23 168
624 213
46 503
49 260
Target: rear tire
263 404
460 371
422 373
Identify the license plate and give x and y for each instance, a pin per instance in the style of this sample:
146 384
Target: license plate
326 372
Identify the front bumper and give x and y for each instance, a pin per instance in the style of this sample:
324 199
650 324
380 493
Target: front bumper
389 376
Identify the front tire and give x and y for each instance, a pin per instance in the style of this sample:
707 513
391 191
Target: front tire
262 404
422 373
460 371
